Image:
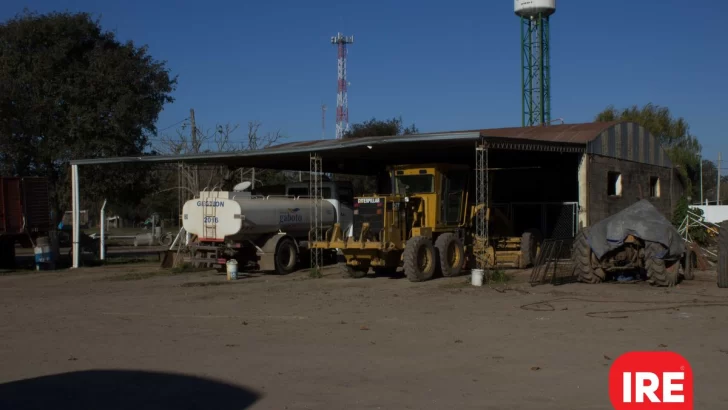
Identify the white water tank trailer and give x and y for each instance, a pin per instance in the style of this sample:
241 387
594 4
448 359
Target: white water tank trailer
532 8
236 216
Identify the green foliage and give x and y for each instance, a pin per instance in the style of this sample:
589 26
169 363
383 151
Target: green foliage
380 128
498 276
315 273
70 90
681 211
673 133
373 128
698 233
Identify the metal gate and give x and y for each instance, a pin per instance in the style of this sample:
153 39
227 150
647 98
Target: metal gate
553 219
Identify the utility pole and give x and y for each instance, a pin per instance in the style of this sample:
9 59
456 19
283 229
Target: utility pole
193 138
717 195
701 180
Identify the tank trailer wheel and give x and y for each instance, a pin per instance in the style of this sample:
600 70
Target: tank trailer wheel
353 272
419 259
659 271
450 254
166 239
581 253
286 257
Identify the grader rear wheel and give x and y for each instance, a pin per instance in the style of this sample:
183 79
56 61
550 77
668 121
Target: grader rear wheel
419 259
450 254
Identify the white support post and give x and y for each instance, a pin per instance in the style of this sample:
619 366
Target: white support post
102 251
76 208
717 193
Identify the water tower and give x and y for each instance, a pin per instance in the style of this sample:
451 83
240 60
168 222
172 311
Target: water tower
535 60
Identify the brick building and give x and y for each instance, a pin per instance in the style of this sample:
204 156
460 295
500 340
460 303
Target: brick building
625 163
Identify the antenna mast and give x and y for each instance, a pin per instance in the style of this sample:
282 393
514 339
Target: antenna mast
342 102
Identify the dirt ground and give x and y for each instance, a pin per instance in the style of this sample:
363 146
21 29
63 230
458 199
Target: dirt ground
130 336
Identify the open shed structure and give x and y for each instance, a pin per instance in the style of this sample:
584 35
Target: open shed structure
555 178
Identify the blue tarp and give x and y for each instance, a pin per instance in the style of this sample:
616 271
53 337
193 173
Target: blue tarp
642 220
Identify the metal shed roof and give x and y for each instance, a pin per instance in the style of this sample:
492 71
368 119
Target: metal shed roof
359 155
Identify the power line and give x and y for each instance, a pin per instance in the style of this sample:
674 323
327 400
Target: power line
176 123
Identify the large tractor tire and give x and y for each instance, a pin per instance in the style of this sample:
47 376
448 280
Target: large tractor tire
450 254
353 272
419 259
581 253
530 242
286 257
659 271
723 255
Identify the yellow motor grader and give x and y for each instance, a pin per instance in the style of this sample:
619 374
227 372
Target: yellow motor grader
427 226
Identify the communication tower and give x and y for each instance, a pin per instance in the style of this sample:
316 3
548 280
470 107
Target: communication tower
342 102
535 60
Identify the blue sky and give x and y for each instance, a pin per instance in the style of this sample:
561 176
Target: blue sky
443 66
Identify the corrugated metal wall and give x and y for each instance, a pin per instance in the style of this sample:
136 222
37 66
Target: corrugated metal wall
11 206
24 198
36 204
629 141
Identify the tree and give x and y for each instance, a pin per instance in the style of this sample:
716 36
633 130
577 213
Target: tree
191 179
380 128
70 90
673 133
374 128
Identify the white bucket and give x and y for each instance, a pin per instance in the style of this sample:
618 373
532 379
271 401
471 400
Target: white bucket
232 269
476 277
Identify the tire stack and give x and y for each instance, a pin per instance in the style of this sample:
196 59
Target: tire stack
723 255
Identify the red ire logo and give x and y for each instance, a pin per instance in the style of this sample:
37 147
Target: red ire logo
651 381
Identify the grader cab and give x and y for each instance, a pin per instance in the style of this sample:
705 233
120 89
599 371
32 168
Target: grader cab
426 225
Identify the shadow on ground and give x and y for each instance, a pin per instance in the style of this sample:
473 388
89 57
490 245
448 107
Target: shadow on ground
120 389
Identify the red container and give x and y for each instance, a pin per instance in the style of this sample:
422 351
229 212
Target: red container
24 206
36 205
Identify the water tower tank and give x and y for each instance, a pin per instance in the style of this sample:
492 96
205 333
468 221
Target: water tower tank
531 8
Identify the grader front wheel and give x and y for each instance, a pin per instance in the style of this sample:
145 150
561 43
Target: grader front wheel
419 259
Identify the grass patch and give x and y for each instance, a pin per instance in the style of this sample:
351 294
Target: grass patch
498 276
315 273
493 277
